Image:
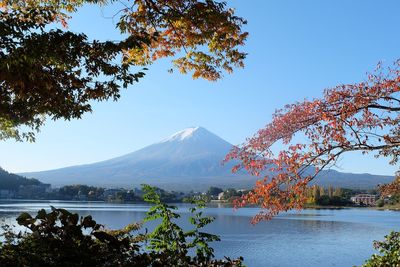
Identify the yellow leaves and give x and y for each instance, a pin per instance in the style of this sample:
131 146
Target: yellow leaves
200 37
205 35
138 55
56 7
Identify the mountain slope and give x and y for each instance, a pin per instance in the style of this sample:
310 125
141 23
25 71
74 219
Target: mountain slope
351 180
188 160
10 181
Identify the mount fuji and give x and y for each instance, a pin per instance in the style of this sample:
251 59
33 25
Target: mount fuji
190 159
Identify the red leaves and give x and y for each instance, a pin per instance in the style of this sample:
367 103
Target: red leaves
353 117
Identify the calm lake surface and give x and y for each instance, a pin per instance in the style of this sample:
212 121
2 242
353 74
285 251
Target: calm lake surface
308 238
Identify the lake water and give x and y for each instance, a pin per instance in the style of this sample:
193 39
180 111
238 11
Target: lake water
308 238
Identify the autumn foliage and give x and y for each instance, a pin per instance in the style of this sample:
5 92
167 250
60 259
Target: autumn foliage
392 188
351 117
47 71
203 36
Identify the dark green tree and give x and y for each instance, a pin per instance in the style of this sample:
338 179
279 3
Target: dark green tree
61 238
214 191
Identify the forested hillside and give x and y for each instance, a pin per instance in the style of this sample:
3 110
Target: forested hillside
13 182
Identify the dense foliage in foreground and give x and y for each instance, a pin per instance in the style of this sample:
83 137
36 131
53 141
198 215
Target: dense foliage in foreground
389 250
61 238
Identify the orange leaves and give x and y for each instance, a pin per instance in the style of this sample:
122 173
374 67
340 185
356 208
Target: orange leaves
203 36
47 71
354 117
391 188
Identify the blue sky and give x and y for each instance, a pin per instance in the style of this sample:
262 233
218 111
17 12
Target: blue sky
296 49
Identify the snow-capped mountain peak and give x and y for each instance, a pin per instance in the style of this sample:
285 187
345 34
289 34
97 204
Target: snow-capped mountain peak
181 135
188 160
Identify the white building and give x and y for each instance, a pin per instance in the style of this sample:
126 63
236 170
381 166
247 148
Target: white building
364 199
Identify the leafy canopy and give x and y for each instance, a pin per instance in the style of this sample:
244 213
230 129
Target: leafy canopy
48 71
352 117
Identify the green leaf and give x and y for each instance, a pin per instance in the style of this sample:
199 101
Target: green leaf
25 219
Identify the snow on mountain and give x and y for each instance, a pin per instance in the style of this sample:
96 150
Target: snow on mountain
182 135
190 159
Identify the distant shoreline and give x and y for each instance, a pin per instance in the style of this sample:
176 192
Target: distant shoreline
211 204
